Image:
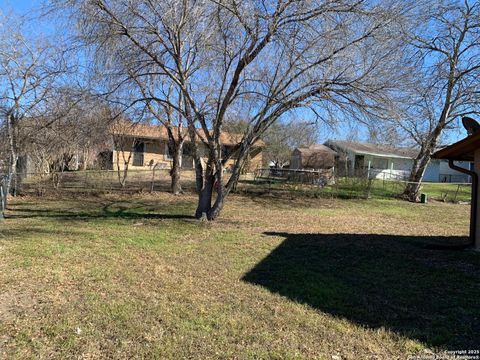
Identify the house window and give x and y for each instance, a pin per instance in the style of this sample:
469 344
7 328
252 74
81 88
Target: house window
138 153
379 163
187 150
359 162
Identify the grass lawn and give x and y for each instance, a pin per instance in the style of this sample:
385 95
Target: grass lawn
136 277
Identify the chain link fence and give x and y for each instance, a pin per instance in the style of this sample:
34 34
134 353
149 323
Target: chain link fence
328 183
307 183
98 181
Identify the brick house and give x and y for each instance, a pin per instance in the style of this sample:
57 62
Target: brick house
145 146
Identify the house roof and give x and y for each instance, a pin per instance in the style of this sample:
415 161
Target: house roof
146 131
309 150
127 128
461 150
316 157
373 149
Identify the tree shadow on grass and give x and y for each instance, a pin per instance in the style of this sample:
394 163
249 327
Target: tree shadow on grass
381 281
110 210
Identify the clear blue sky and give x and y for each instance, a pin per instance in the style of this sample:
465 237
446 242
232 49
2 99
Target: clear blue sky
18 5
28 8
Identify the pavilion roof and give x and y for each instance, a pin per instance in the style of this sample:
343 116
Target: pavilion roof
462 150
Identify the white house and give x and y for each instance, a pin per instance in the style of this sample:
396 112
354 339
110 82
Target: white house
387 162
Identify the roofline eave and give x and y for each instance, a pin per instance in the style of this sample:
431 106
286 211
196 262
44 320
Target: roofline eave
357 152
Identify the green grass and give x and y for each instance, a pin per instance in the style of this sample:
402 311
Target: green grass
135 276
450 191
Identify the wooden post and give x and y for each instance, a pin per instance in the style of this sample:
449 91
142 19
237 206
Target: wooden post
476 166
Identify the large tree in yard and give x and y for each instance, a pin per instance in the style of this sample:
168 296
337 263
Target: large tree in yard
171 118
29 72
260 59
139 89
448 80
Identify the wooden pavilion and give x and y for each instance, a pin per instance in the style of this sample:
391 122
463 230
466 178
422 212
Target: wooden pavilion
467 149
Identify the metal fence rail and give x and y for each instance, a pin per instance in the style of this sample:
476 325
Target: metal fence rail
320 177
101 181
311 183
329 183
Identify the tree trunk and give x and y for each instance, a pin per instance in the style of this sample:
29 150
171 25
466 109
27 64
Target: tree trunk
176 187
123 179
199 179
420 164
217 206
205 209
86 154
205 198
214 182
3 199
11 187
21 169
198 173
13 157
122 174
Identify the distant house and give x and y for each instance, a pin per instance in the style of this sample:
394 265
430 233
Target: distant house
387 162
145 146
313 157
379 161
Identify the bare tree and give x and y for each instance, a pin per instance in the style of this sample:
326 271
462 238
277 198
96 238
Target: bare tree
70 136
136 86
282 138
172 119
88 123
263 60
124 148
447 83
29 70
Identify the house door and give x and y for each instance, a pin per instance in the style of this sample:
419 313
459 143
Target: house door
359 165
138 153
187 156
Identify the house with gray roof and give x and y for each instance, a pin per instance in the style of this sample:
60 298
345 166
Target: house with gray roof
388 162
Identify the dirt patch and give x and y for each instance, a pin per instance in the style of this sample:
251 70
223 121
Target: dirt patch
14 304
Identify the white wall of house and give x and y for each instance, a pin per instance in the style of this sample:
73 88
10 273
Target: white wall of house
390 168
446 174
432 171
402 164
440 171
387 168
394 168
